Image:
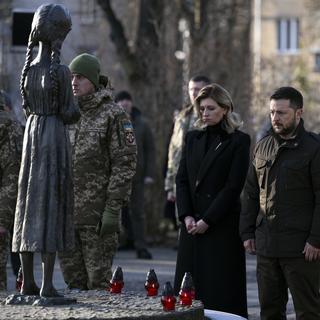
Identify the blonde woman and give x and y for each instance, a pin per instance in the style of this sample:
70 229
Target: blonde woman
210 178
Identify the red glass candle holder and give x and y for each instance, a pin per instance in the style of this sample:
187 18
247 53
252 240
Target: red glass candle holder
151 284
187 292
185 297
168 299
168 302
116 282
152 288
116 286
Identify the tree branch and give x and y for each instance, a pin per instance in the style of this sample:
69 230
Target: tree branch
127 57
151 14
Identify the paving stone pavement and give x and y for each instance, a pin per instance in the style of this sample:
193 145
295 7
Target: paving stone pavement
135 271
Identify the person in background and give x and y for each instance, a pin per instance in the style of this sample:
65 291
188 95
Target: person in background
280 221
183 123
169 211
133 214
104 163
211 175
10 156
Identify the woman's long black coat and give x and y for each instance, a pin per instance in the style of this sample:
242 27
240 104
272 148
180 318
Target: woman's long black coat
208 187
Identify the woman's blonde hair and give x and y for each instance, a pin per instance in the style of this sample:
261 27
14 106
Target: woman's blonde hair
231 120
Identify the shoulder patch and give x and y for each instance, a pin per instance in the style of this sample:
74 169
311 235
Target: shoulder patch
128 132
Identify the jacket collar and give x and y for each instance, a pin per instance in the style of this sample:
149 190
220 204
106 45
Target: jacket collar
93 101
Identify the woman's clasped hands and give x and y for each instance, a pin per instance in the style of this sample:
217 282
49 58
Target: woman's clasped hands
193 227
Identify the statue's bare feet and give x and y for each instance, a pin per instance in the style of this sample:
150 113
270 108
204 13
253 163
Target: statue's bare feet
30 290
50 292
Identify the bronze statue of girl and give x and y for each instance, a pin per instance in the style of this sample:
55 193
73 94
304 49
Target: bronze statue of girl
44 211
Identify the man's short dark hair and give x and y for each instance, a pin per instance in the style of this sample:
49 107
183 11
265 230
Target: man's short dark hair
200 78
291 94
122 95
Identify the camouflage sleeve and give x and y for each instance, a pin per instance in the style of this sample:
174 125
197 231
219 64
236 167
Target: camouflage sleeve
9 172
174 156
123 159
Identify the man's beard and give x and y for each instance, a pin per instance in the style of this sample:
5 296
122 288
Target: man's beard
285 131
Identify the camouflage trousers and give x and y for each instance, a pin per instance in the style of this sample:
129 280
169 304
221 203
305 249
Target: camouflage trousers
88 265
4 250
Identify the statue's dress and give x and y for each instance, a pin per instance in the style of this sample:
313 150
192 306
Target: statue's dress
44 210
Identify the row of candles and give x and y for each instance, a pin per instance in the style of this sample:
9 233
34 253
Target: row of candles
168 300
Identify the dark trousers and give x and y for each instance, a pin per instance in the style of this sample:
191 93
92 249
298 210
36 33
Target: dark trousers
133 216
276 275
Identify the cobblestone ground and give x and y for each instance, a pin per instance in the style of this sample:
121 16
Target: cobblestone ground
135 271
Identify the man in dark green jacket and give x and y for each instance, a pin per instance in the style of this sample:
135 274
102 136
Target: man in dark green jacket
280 221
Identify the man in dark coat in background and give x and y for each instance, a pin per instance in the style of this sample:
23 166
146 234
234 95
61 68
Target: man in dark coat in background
280 221
133 215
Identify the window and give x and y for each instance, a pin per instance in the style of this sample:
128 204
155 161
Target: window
288 35
21 27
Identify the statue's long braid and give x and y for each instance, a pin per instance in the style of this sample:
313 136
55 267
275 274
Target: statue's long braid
24 73
55 62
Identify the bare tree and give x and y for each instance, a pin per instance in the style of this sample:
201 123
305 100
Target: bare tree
220 36
219 48
153 75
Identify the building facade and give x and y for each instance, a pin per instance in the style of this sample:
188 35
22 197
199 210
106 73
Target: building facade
90 33
286 49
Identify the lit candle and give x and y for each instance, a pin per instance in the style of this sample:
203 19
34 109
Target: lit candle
116 282
168 299
187 292
151 284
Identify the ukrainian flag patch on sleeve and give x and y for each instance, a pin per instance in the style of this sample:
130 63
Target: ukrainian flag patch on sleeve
128 133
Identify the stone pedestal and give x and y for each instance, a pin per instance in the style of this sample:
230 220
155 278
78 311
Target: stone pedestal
18 299
103 305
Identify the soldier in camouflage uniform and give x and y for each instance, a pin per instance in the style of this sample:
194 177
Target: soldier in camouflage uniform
104 161
10 153
184 122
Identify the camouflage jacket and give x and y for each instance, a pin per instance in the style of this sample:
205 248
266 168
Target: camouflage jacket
183 123
104 157
10 156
